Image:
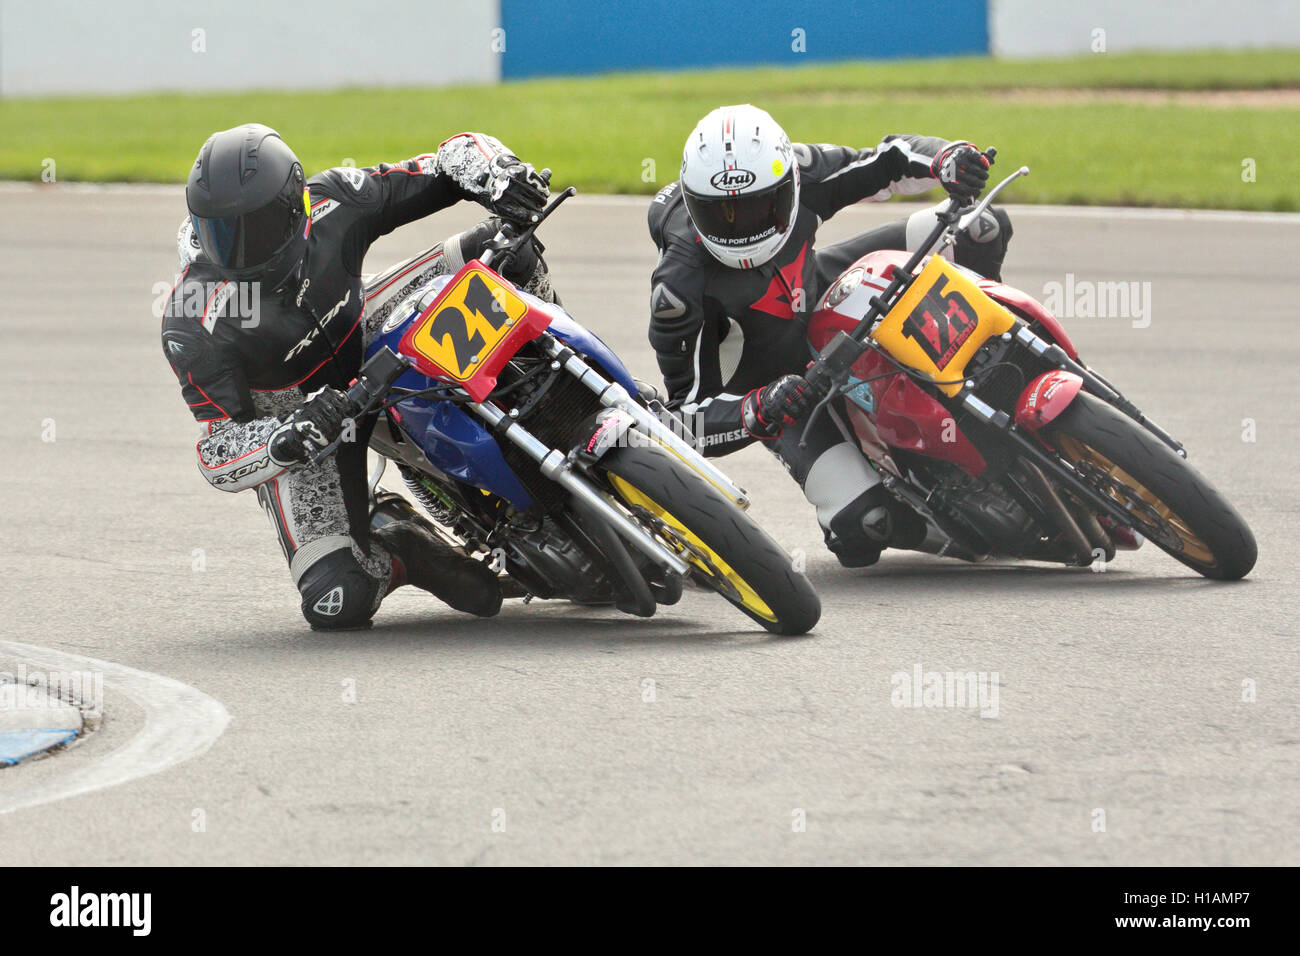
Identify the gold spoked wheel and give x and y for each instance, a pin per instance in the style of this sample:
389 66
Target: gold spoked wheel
725 550
1162 495
1152 516
686 543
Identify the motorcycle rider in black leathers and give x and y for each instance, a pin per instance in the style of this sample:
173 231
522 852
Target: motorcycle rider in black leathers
738 278
268 322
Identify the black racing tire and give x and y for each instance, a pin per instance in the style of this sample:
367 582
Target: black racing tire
759 562
1201 529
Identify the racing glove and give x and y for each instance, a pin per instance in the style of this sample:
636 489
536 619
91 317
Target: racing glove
489 173
311 428
766 411
961 169
515 190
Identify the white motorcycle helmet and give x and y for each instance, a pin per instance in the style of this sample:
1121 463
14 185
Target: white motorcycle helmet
741 183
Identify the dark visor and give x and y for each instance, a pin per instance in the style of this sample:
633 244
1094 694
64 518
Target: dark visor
253 239
742 220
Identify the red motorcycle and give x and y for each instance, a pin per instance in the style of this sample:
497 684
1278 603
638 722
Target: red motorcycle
972 403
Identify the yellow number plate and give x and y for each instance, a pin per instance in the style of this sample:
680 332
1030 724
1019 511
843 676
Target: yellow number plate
465 325
940 323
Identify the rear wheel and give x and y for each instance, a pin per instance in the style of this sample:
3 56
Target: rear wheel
727 551
1166 498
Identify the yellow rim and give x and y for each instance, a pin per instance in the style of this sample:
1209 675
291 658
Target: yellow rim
688 544
722 491
1192 546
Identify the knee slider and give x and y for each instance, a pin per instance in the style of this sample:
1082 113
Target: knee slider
984 245
847 523
337 594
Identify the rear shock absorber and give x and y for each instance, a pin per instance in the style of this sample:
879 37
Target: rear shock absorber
433 498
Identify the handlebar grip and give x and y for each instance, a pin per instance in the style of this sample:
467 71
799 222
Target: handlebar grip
356 395
376 377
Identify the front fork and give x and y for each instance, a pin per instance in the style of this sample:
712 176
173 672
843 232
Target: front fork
613 395
1025 440
1093 382
558 467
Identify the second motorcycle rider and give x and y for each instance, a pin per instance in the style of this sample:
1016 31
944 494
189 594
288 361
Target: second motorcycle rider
738 278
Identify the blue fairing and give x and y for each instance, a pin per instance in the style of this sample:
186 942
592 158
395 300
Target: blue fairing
456 442
586 342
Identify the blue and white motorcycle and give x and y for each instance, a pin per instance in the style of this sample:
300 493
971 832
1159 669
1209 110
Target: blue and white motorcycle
526 439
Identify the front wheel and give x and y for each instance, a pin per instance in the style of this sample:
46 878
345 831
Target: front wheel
727 551
1167 499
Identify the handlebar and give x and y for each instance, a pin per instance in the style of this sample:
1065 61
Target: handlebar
372 383
375 379
507 240
385 367
967 218
837 358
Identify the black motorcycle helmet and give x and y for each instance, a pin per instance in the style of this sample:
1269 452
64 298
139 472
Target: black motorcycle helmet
248 200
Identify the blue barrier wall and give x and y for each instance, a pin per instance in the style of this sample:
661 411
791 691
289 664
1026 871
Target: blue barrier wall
601 36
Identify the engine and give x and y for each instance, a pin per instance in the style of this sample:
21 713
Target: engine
549 563
990 510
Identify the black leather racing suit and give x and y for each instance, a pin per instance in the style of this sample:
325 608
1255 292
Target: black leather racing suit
246 356
720 332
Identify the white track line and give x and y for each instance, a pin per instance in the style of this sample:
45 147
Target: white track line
1043 211
180 723
1150 214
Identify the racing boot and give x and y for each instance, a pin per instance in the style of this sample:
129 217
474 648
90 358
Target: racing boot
423 559
858 516
872 522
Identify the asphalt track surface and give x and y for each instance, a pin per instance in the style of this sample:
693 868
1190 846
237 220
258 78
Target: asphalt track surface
538 737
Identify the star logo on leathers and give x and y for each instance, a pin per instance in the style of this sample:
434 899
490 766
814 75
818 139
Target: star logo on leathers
776 300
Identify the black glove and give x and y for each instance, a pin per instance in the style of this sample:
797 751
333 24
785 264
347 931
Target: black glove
515 190
311 428
961 169
766 411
